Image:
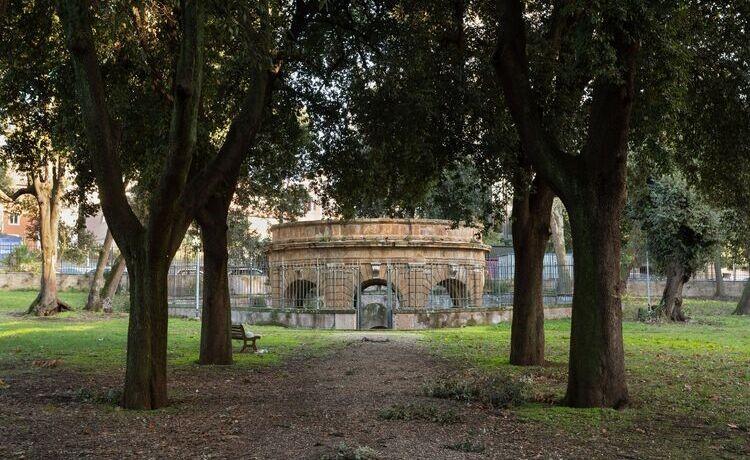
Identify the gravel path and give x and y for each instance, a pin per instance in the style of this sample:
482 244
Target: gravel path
306 408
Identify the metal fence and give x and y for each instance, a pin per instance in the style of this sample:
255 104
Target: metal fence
17 257
430 285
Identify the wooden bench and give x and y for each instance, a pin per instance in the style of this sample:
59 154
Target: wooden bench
239 333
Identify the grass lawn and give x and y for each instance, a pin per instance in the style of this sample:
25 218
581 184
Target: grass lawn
689 383
94 342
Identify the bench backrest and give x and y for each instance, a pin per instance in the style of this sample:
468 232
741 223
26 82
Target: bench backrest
238 331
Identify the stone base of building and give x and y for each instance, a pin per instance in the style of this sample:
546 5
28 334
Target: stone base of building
347 319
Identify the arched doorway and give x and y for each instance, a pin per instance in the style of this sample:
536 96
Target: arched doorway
449 293
301 293
374 302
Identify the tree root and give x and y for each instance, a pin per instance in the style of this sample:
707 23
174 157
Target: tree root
51 308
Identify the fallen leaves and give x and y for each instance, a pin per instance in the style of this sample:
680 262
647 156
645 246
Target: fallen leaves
47 363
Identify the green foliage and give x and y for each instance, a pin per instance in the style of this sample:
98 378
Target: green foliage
678 226
416 411
346 452
408 130
23 259
244 243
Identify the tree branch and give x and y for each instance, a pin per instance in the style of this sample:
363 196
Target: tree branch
99 126
183 128
28 190
511 65
612 102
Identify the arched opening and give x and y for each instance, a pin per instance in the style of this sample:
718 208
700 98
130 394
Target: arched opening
375 303
301 293
449 293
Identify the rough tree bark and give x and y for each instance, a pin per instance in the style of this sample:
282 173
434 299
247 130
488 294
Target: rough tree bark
591 184
557 227
719 278
94 302
530 221
670 306
216 317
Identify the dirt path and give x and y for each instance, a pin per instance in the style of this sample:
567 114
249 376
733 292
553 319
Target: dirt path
306 408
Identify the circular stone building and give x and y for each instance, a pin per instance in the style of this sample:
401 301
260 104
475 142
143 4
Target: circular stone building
376 273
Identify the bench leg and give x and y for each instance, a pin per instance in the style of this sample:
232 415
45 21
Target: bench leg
255 348
244 346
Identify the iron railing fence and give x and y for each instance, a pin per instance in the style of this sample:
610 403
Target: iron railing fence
323 285
17 257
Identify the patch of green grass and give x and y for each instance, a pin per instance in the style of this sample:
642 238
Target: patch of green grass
18 301
416 411
94 341
689 383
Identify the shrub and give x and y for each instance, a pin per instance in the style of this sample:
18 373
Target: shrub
23 259
499 391
345 452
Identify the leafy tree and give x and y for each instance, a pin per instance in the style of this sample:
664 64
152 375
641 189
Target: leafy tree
715 118
682 235
569 73
186 141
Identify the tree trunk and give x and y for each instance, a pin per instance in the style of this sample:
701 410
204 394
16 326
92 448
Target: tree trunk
743 306
530 225
557 226
112 283
216 317
597 365
720 291
146 370
48 196
670 306
94 302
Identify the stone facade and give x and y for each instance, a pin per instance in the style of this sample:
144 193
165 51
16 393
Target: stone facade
375 270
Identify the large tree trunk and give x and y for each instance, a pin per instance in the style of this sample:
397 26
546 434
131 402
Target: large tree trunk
670 306
530 225
743 306
146 371
112 283
94 302
216 318
557 226
720 291
597 365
